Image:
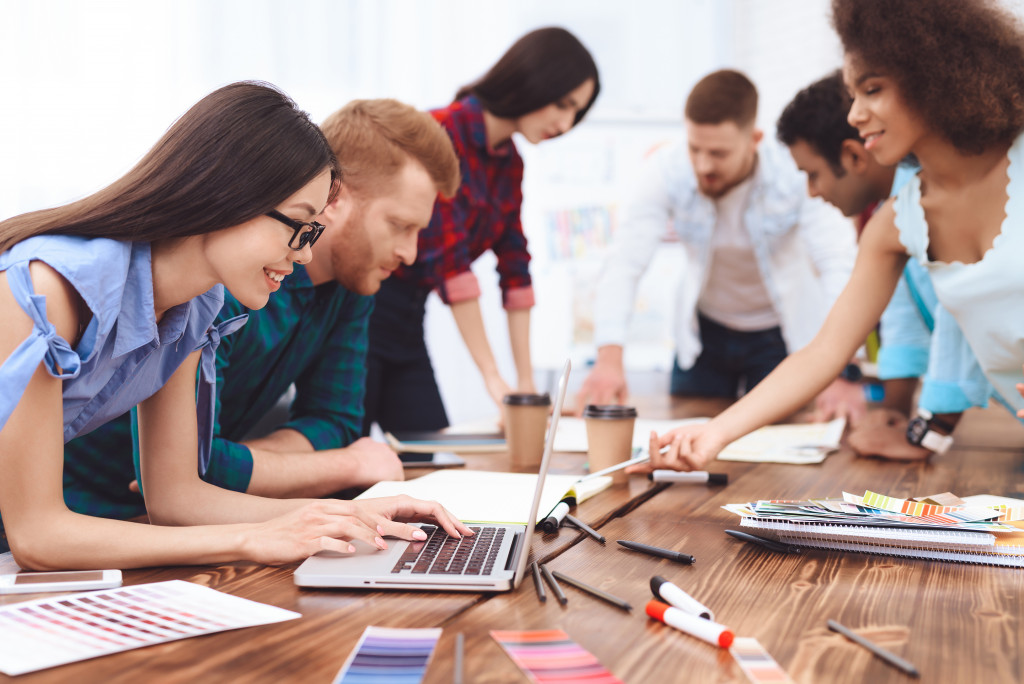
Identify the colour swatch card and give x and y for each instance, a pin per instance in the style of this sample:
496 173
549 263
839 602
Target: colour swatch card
756 663
43 633
389 656
550 656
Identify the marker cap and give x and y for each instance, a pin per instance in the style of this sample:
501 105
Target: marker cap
708 631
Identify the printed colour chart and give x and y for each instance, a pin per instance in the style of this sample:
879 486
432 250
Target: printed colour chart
43 633
390 656
550 656
756 663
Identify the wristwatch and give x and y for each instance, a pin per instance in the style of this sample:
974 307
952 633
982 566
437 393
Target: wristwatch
851 373
921 432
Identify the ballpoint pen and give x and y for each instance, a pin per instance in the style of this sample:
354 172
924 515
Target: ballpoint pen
781 547
676 556
576 522
559 594
594 591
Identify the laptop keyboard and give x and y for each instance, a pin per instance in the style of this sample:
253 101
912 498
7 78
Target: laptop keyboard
444 555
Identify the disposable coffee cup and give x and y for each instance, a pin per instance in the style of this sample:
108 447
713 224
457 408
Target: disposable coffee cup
526 421
609 437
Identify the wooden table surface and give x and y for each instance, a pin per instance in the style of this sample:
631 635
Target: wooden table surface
955 622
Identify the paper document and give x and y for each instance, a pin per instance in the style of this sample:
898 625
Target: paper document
799 443
480 495
43 633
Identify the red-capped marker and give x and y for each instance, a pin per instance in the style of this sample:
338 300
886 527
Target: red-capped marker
711 632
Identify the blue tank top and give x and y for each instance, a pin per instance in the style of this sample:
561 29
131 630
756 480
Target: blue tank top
124 356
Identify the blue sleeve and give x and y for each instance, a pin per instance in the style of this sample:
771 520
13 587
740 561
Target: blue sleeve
954 382
905 334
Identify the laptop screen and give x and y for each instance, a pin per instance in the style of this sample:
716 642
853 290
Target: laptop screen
549 445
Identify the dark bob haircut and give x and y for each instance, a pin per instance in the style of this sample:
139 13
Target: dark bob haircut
817 115
958 63
237 153
540 68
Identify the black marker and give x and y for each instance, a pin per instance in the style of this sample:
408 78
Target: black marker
694 477
676 556
664 590
554 520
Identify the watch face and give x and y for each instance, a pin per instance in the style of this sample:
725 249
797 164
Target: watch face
916 430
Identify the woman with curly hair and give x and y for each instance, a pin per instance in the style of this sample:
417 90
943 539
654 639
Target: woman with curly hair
943 81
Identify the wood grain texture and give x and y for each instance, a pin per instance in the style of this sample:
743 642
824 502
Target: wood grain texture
955 622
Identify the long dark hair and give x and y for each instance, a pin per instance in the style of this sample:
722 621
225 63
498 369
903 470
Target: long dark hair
542 67
237 153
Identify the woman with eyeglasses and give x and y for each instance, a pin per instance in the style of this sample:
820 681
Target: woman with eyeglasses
540 88
108 303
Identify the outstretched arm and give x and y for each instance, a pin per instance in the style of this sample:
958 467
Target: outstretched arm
807 371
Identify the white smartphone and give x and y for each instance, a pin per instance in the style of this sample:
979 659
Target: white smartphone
75 580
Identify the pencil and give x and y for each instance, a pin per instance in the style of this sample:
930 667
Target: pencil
538 583
594 591
885 655
457 674
559 594
576 522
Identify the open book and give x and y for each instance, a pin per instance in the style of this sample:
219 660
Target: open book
491 497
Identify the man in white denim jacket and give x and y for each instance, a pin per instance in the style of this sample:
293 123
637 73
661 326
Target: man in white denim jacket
763 262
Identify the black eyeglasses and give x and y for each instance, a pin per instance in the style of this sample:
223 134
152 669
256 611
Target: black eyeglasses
305 233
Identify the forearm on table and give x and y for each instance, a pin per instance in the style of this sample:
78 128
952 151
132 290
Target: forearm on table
787 389
311 474
62 540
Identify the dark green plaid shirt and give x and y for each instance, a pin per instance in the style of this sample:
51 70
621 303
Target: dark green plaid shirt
314 337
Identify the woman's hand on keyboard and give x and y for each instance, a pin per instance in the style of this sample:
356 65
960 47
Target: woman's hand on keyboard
331 524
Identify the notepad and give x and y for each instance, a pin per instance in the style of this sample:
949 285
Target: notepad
929 532
488 497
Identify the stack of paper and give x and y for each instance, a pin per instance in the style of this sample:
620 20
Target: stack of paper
981 529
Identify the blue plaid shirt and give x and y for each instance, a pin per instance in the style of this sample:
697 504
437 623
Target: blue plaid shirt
312 336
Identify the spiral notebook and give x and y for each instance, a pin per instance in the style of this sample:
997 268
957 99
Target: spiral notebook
993 542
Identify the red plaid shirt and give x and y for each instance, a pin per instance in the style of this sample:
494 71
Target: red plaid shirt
484 214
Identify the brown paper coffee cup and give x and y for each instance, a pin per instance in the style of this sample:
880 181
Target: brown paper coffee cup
609 437
526 422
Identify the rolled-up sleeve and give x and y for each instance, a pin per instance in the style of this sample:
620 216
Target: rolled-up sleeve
645 220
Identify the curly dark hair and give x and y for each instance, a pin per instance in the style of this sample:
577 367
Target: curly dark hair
958 63
817 115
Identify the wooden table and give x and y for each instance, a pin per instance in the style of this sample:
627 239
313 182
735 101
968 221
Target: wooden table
956 623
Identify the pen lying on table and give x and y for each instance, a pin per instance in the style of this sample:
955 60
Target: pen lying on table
885 655
781 547
676 556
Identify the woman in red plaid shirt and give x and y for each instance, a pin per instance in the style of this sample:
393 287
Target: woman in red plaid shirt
540 88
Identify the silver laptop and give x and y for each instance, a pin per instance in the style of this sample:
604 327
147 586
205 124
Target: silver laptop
494 559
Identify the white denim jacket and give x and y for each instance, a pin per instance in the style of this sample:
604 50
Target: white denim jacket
805 249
